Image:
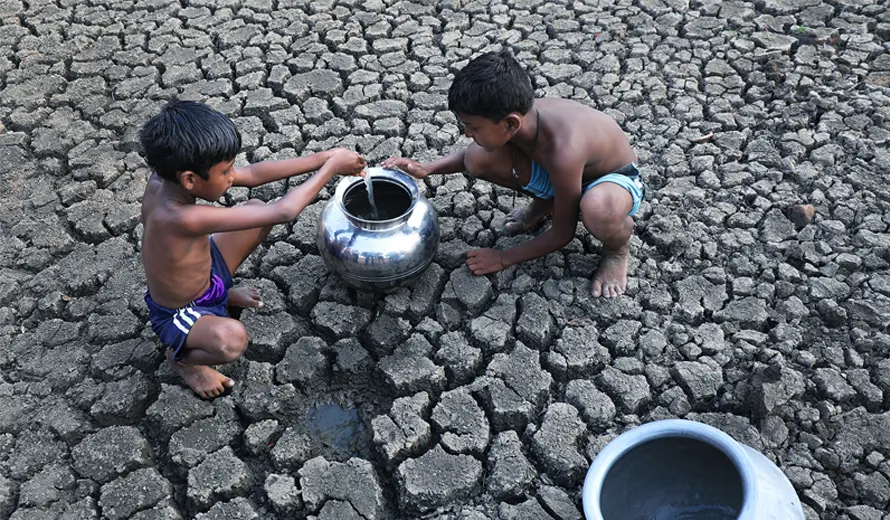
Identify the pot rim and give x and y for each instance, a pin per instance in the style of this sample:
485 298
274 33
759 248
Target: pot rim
682 428
396 177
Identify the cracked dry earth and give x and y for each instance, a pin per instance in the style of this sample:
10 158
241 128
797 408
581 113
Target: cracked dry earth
477 398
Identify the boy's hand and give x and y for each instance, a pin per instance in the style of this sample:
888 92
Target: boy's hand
412 168
346 162
484 261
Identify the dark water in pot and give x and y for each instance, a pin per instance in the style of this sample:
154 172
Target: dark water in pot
673 478
392 199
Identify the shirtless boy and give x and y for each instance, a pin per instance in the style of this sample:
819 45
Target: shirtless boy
190 251
564 154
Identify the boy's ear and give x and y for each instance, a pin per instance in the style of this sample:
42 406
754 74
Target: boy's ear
188 179
514 122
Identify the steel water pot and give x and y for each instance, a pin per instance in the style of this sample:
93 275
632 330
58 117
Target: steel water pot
678 469
379 251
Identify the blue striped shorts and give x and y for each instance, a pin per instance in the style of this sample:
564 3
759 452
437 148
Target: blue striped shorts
172 326
628 177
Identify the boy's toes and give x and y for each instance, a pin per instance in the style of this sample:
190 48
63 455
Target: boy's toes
597 288
253 299
245 297
612 290
514 227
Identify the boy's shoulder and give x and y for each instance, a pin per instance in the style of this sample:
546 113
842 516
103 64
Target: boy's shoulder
577 132
160 207
564 108
568 120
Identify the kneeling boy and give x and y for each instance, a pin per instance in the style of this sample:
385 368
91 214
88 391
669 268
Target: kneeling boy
564 154
190 252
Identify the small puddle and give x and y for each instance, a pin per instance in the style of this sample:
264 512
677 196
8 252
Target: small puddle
336 427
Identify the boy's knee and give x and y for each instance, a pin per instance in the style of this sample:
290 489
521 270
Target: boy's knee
607 201
604 210
231 336
604 213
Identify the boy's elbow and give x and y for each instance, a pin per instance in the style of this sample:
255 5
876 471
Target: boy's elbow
563 238
287 214
280 212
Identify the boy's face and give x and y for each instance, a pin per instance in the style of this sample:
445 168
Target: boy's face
220 179
486 133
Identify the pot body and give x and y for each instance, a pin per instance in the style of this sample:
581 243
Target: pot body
676 468
378 254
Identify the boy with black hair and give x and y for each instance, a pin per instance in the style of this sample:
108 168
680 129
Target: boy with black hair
564 154
190 251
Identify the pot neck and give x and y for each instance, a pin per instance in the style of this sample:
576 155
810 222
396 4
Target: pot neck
378 225
394 176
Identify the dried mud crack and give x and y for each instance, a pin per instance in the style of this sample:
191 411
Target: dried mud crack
759 285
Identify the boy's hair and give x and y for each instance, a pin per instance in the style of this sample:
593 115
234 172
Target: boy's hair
188 136
492 85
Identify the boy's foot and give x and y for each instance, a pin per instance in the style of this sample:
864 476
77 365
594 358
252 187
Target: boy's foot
521 220
245 297
203 380
610 279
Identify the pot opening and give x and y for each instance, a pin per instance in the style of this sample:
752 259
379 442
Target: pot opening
672 478
392 199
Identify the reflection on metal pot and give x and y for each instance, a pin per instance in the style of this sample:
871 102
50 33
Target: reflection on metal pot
384 249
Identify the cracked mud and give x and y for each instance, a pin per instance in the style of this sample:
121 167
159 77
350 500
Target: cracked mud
758 297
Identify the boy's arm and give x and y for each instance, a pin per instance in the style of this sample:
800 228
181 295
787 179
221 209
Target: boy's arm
453 163
567 196
565 218
268 171
204 220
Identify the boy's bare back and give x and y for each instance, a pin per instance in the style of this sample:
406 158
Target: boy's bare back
176 265
574 129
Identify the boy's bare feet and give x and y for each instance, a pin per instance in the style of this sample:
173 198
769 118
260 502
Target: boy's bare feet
521 220
203 380
245 297
610 279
